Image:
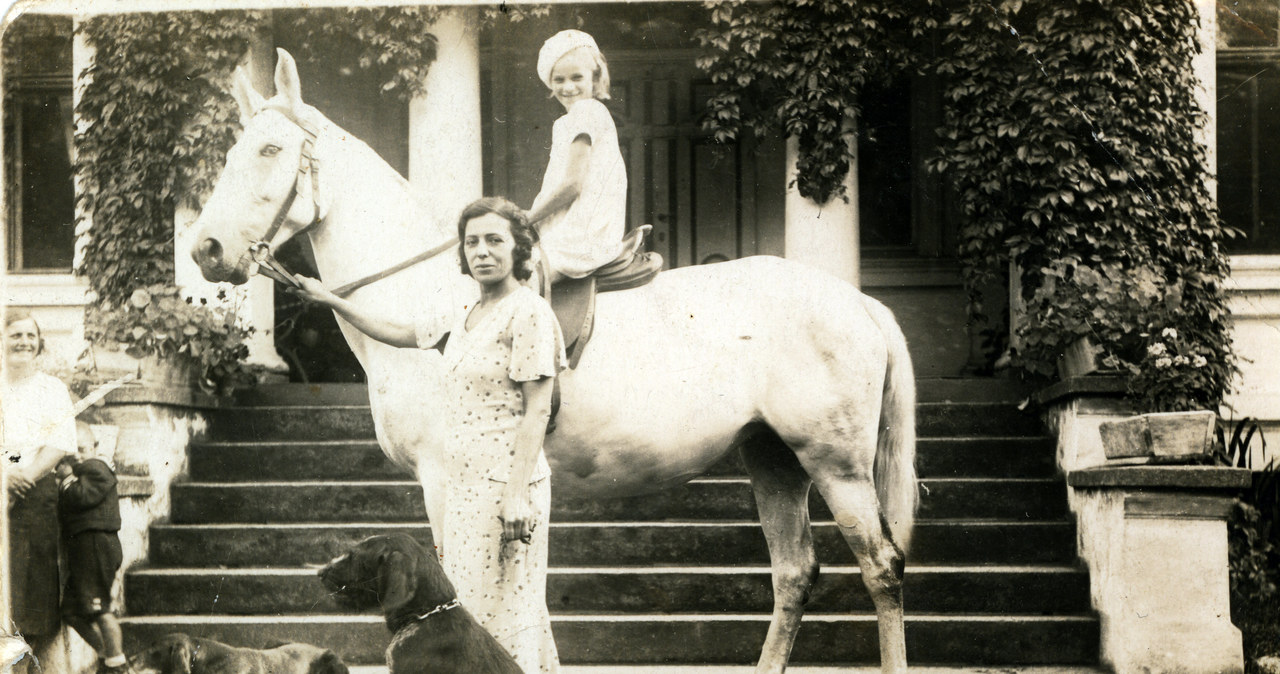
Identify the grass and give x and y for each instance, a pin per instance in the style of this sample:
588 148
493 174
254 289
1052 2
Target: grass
1259 623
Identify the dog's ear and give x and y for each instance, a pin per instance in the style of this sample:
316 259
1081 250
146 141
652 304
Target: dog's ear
328 663
397 580
180 653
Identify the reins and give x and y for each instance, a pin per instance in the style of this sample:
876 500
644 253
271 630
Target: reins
269 266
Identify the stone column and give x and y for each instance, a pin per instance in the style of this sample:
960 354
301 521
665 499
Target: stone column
255 301
1205 65
823 236
445 160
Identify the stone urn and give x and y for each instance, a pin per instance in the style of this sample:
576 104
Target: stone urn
1161 437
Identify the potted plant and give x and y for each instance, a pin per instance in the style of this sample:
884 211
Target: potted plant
1129 320
1091 317
177 342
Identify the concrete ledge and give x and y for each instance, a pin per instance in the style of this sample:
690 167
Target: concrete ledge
1093 386
135 486
145 394
1175 477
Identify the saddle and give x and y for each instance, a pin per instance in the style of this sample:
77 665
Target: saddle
574 299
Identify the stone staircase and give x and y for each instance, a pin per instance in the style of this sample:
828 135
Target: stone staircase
292 476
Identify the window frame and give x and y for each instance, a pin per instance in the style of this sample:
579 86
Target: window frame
15 88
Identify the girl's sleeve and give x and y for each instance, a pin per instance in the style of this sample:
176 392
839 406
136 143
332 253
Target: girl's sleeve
588 118
537 347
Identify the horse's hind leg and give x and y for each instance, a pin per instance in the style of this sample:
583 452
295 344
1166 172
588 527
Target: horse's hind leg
782 496
851 495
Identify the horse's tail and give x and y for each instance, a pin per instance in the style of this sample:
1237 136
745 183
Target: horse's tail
895 467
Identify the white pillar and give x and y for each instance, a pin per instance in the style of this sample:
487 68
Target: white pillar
446 166
823 236
255 301
1205 65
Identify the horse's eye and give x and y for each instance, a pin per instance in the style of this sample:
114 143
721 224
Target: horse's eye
270 150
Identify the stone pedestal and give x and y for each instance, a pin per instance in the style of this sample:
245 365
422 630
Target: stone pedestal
1074 409
1155 541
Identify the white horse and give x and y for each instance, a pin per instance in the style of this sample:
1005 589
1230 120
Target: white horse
806 376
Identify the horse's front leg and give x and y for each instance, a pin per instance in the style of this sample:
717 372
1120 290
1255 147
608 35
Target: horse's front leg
782 497
430 476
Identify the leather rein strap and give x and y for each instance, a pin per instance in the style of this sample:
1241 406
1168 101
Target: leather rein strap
307 164
355 285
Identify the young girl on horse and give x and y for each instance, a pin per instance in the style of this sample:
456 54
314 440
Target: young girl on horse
581 210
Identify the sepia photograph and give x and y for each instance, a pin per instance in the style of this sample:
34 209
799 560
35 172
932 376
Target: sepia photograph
640 336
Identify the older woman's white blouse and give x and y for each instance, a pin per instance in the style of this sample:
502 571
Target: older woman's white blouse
37 413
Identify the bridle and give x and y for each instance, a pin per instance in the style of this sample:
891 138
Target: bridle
260 250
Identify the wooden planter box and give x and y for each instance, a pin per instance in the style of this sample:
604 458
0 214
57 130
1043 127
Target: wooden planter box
1163 437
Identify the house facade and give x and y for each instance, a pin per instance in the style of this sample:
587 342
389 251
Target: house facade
484 127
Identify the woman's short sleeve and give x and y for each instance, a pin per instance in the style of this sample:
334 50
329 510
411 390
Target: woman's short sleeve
62 418
589 118
537 346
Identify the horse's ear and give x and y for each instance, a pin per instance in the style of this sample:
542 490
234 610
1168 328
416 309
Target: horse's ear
247 98
287 83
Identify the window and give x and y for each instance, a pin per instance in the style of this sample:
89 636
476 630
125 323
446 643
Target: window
1248 96
40 230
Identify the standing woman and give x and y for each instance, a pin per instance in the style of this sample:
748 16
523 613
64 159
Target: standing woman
500 361
39 429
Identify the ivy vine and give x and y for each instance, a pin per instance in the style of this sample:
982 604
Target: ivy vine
155 120
395 43
798 66
1068 138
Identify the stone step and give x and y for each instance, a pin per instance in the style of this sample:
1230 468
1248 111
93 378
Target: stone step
344 422
347 460
928 389
1049 590
621 543
719 638
702 499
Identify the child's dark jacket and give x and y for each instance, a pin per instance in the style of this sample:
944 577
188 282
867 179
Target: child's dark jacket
87 500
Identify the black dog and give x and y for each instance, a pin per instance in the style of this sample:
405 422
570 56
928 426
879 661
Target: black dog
433 633
182 654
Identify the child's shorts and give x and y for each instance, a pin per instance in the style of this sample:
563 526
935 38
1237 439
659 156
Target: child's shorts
93 557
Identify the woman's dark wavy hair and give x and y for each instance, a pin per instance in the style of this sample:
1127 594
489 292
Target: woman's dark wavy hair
524 234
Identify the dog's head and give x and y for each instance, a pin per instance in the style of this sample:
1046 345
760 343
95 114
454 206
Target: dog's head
172 654
387 572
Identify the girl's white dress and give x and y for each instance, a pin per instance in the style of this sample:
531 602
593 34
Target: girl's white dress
502 584
587 234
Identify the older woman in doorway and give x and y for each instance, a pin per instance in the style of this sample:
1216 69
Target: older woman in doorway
39 429
502 357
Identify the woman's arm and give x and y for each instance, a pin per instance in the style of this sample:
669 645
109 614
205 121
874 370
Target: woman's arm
575 175
516 509
382 328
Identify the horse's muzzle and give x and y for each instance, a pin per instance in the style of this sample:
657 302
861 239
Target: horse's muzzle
210 255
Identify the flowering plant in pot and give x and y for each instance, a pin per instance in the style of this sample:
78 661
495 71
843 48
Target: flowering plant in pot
1173 383
175 337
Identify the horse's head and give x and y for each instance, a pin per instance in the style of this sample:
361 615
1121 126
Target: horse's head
268 190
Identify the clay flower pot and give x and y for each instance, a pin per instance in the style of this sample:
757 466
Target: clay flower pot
1161 437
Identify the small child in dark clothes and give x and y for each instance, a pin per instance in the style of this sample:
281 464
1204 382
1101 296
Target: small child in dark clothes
89 514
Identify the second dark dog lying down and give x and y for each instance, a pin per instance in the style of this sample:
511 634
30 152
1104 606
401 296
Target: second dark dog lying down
433 633
182 654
